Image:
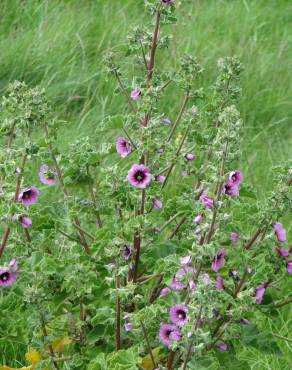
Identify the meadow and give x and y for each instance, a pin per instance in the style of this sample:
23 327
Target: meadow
60 45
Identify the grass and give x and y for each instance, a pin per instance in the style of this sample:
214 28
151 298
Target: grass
59 44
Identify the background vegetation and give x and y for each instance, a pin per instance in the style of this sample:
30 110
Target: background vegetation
59 45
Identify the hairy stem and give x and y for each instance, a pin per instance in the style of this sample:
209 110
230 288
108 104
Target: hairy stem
179 116
148 344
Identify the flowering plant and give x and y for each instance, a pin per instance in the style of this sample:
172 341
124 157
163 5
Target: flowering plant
143 244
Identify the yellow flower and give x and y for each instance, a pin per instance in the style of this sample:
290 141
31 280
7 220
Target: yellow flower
33 356
59 344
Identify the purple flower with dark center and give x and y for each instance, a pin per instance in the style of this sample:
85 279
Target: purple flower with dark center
198 219
207 201
29 196
139 176
245 322
231 190
127 253
25 221
128 326
169 333
219 284
166 121
135 94
8 275
234 237
218 260
190 157
179 314
260 291
222 347
167 1
164 292
235 177
157 204
123 147
280 232
283 252
47 175
289 267
185 260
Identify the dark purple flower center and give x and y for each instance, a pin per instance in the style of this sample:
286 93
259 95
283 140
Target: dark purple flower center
181 314
139 176
168 332
26 194
5 276
228 189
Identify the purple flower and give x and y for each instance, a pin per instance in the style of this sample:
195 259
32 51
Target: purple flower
222 347
192 284
160 178
206 278
167 1
218 260
219 283
127 253
166 122
139 176
190 157
47 176
123 147
135 94
260 291
234 237
14 264
29 196
179 314
157 204
283 252
176 281
169 333
185 260
26 222
245 322
164 292
8 276
235 177
198 219
207 201
184 173
280 232
128 326
230 189
289 267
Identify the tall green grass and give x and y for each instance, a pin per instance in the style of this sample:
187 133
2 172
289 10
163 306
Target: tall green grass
59 44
